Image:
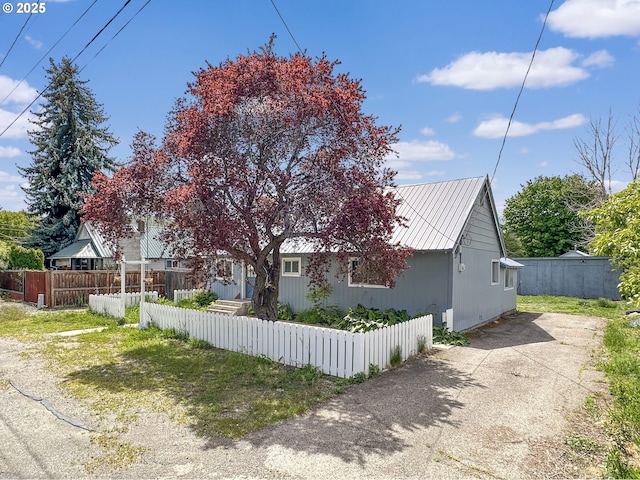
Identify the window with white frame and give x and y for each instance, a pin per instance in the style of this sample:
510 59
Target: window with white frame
171 263
357 279
509 278
290 267
224 268
495 272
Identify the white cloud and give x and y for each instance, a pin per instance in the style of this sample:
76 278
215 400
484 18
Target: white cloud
596 18
9 152
423 151
37 44
543 164
601 58
409 175
523 151
19 128
23 94
427 131
491 70
496 127
453 118
9 178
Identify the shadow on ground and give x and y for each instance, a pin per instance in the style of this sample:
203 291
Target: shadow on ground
517 329
366 418
369 418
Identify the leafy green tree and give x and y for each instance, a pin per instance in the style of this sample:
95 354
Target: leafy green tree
71 144
16 226
543 218
15 257
617 227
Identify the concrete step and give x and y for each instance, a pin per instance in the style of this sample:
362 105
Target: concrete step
231 307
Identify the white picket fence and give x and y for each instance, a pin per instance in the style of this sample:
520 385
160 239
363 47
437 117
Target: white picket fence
183 295
334 352
110 304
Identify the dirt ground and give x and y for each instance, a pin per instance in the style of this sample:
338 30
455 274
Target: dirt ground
523 400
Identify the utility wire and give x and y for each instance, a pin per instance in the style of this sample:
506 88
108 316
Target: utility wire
72 61
524 80
116 34
345 120
15 40
47 52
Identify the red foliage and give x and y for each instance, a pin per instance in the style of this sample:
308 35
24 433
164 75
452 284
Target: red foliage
264 149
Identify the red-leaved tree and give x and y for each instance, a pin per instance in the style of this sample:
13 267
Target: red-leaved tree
263 150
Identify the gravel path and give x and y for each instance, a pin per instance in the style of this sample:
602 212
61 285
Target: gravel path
503 407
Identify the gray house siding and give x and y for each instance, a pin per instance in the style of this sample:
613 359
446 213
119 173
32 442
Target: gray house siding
424 287
231 290
580 277
476 299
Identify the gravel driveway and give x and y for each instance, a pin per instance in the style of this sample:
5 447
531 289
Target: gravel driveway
506 406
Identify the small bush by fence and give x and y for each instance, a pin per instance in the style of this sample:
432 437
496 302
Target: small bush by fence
183 295
334 352
111 305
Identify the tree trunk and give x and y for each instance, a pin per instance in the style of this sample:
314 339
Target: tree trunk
265 291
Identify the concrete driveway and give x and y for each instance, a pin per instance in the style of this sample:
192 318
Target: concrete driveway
501 407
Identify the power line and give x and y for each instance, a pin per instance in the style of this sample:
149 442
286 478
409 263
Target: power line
116 34
524 80
47 52
15 40
72 61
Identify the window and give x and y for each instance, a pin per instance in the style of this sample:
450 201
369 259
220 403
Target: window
170 263
369 279
224 268
509 278
495 272
290 267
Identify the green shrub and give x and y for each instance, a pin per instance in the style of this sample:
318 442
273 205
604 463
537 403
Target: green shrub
204 298
200 301
15 257
329 316
443 336
285 312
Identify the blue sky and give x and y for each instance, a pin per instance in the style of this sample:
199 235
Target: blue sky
447 72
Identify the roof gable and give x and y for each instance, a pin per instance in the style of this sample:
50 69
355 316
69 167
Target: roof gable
437 213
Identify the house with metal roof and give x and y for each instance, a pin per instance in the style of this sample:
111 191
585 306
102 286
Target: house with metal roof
90 251
459 264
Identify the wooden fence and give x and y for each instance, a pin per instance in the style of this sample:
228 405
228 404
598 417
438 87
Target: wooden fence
111 304
334 352
63 288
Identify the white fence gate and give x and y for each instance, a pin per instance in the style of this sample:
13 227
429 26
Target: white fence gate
334 352
111 305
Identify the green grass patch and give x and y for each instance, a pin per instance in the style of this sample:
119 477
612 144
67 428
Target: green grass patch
216 392
601 307
16 322
621 363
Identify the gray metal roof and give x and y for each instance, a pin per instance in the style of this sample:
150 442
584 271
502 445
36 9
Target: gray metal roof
436 215
436 212
78 249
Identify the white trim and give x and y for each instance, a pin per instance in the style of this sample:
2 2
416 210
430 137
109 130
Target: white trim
362 285
495 267
510 273
292 260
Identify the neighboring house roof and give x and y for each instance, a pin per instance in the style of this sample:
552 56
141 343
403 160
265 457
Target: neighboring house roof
574 253
90 244
436 214
78 249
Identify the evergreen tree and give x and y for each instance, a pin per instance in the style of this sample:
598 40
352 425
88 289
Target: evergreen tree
71 144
